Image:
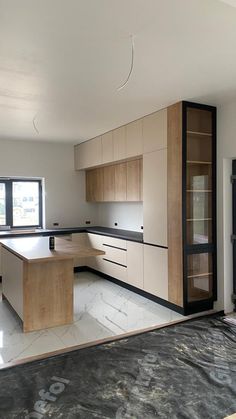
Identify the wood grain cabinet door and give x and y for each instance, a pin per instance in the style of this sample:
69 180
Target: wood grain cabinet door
134 139
155 131
156 271
94 185
109 183
134 186
155 197
120 182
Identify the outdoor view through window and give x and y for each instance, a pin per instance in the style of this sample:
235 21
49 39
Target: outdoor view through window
19 203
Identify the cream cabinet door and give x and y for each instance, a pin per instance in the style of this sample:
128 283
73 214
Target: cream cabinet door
119 144
134 139
107 148
88 154
156 271
135 264
155 197
155 131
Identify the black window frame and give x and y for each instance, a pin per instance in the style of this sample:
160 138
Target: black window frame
9 202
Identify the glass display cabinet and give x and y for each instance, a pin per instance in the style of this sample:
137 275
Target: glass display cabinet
199 205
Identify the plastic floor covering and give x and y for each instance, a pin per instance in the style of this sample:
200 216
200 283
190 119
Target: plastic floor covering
181 371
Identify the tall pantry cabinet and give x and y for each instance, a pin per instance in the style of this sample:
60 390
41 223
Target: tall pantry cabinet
192 206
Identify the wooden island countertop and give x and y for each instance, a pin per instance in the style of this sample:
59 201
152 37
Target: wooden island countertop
38 282
36 249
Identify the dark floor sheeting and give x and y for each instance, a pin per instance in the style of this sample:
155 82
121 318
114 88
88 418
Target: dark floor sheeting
182 371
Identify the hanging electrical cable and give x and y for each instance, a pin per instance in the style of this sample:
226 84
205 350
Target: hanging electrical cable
34 123
131 65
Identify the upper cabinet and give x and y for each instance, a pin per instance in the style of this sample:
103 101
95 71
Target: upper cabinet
88 154
115 182
119 144
134 138
107 148
155 131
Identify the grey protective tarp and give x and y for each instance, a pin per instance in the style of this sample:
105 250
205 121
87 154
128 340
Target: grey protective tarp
182 371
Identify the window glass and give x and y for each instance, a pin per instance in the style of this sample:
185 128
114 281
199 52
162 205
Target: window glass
2 204
25 196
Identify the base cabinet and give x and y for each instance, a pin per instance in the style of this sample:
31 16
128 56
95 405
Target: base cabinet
156 271
135 264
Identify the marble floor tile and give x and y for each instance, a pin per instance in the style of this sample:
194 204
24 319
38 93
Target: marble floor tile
101 309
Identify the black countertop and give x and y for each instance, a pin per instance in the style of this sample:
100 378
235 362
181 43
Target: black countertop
103 231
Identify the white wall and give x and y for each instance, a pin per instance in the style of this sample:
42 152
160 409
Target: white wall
64 188
226 132
128 215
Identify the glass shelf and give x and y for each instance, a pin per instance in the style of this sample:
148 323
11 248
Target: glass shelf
199 276
199 177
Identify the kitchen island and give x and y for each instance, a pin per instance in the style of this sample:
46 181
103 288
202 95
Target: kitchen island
38 282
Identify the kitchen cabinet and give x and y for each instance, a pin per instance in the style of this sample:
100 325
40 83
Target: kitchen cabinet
192 206
120 182
135 264
134 180
134 139
108 183
107 148
119 143
156 271
155 197
94 185
88 154
155 131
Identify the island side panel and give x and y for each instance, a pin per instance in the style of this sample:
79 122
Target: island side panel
12 280
48 294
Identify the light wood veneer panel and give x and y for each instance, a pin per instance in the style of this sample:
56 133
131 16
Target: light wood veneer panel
94 185
133 180
109 183
48 294
174 193
120 182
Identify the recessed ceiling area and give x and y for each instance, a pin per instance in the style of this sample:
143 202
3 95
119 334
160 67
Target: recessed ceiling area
63 61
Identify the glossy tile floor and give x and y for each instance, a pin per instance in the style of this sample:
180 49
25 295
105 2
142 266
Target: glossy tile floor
102 309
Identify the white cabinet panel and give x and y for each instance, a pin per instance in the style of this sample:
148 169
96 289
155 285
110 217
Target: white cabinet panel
12 280
135 264
119 144
116 271
134 139
88 154
115 255
155 197
107 148
112 241
155 131
156 271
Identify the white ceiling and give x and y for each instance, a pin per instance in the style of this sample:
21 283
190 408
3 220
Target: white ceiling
61 62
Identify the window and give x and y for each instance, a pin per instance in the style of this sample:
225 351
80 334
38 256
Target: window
21 203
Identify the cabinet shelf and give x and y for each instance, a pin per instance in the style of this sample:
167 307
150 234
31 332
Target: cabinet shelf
200 275
199 190
198 162
198 219
199 134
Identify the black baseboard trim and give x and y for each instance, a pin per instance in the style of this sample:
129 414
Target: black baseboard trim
190 309
145 294
81 269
